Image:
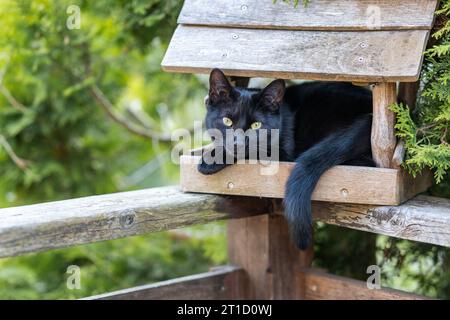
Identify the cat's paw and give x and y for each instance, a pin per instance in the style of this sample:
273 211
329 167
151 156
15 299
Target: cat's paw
207 169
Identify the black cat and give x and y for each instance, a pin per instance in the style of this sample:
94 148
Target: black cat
321 124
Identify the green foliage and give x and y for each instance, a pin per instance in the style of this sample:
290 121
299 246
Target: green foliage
415 267
404 265
426 131
72 148
113 265
335 250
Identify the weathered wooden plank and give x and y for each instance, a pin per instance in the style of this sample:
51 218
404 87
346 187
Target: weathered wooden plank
375 56
348 184
78 221
324 286
262 247
411 187
318 15
85 220
218 284
424 219
383 132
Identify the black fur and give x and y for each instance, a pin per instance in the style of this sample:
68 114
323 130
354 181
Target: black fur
321 124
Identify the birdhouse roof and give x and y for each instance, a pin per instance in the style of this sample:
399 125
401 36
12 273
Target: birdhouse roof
351 40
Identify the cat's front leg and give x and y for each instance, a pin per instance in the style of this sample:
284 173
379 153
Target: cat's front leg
211 164
207 169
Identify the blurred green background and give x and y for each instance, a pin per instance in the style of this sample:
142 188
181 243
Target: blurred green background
57 142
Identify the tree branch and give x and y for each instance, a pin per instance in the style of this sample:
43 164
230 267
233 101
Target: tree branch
422 130
103 101
3 90
140 117
21 163
16 104
143 129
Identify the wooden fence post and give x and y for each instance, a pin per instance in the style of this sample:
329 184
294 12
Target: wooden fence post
262 247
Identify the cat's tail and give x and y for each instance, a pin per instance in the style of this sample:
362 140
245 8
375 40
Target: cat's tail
344 145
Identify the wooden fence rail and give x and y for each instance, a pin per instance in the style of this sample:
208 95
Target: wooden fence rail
229 282
105 217
219 284
320 285
85 220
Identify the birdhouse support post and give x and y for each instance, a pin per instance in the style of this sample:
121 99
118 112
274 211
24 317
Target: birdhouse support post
383 132
273 265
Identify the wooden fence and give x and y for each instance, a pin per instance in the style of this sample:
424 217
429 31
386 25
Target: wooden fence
263 262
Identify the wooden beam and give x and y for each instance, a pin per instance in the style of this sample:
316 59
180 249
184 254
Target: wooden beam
317 15
383 132
86 220
424 219
375 56
349 184
224 283
324 286
262 247
221 283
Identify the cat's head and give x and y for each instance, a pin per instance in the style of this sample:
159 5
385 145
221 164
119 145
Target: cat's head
242 110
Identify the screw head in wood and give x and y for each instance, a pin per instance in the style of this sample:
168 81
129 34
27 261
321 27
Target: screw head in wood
344 192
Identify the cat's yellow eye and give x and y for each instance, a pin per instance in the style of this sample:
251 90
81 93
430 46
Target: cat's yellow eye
227 121
256 125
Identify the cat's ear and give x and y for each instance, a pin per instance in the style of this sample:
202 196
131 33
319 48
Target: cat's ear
272 95
219 87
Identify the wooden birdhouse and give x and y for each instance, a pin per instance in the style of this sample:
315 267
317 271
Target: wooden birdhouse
375 42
